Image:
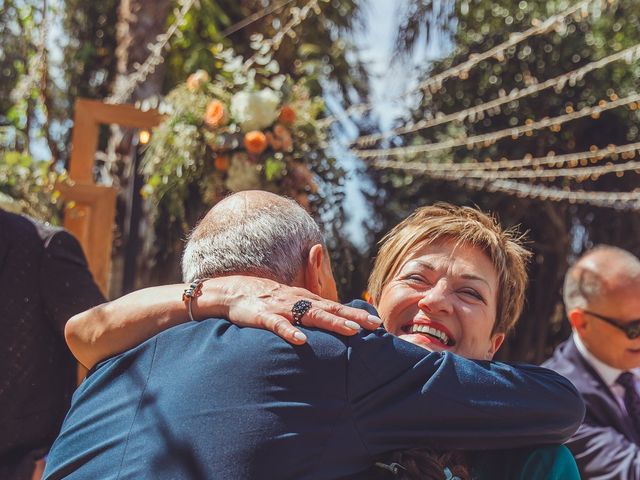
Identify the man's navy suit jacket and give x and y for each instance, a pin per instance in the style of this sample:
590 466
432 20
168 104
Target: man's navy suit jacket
606 446
213 400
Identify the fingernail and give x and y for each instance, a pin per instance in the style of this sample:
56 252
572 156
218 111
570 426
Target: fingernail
352 325
300 336
373 320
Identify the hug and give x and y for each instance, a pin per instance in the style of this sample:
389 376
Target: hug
419 396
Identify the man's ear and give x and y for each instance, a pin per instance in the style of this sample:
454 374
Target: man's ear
318 274
313 277
496 341
577 319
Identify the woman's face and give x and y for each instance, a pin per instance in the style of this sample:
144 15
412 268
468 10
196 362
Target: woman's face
444 298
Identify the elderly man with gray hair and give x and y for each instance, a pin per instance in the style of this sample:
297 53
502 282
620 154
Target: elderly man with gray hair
602 359
211 399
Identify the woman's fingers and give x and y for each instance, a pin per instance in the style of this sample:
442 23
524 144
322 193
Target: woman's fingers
361 317
316 317
325 315
345 321
262 303
282 327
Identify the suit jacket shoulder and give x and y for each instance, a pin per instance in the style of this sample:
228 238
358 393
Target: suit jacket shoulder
605 445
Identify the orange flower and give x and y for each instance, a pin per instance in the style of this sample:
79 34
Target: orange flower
255 142
222 163
287 115
215 114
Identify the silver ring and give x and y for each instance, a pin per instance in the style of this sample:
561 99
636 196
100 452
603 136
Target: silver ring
300 308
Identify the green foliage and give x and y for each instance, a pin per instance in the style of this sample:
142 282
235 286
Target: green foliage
88 44
28 186
320 48
320 54
89 64
17 30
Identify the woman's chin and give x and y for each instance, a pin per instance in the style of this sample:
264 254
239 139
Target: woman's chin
425 341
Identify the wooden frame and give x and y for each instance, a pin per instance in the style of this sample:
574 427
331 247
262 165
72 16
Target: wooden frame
91 221
88 116
91 218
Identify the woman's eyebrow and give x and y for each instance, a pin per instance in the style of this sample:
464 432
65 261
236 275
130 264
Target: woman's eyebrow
432 267
468 276
423 263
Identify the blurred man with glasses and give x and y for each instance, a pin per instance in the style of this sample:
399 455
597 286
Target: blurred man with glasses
602 359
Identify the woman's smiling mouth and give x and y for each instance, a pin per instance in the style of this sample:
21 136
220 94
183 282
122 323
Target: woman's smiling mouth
432 330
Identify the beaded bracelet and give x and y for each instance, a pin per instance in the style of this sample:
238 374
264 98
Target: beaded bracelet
193 290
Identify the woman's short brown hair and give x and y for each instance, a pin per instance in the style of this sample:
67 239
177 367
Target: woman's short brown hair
465 225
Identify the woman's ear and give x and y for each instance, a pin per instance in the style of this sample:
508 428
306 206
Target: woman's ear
318 276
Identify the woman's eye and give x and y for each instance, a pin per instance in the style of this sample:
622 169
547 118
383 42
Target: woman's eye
416 278
473 294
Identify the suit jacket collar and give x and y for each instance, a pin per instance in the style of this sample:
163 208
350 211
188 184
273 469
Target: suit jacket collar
596 393
606 372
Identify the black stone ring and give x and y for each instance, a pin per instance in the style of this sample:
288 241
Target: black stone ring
300 308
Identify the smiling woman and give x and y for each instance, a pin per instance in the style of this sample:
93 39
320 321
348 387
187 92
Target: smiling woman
444 298
450 278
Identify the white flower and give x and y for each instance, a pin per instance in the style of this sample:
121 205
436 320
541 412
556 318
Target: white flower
255 110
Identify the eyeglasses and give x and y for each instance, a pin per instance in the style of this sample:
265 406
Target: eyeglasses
631 329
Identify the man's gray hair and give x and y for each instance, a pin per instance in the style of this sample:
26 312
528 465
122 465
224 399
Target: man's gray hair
272 240
583 284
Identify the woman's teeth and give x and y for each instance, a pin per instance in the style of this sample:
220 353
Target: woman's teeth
440 335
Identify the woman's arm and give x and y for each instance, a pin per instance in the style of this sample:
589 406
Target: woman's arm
116 326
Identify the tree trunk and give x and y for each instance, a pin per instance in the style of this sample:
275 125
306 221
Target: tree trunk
139 24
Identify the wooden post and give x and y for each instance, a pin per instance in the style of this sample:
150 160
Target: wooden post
91 218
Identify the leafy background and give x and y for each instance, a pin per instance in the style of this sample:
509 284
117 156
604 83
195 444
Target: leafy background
100 42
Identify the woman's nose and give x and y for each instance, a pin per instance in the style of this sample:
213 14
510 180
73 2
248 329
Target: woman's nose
436 299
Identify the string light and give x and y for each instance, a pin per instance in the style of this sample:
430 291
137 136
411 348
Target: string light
490 138
125 86
144 136
618 200
254 18
298 15
585 172
572 159
629 54
435 83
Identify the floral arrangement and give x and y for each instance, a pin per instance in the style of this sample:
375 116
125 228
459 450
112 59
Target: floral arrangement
237 130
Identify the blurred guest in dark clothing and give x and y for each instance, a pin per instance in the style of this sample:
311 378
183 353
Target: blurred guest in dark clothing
44 280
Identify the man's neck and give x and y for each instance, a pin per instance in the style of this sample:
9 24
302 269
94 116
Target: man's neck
608 373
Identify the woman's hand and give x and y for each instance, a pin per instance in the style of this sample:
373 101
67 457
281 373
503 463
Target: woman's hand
116 326
262 303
